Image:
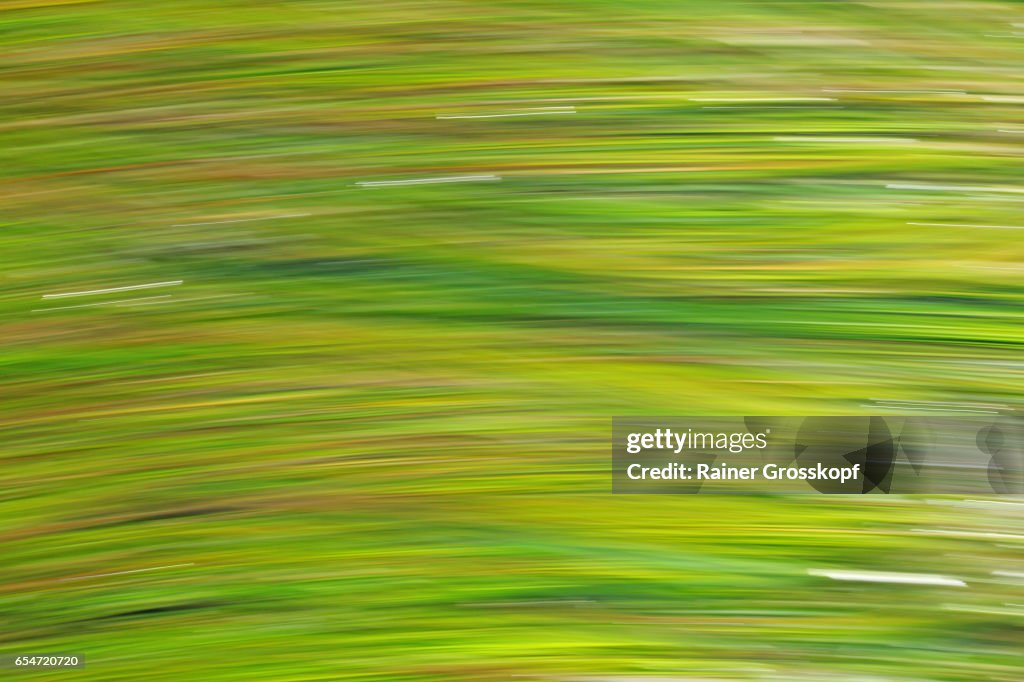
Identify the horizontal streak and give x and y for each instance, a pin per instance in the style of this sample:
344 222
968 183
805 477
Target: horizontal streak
898 92
929 409
245 220
138 570
811 138
940 402
426 181
952 188
111 290
93 305
762 99
898 578
525 113
992 227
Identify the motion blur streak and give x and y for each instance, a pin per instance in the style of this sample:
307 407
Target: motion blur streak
370 441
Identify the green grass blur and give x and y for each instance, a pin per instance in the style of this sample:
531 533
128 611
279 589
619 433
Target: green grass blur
367 435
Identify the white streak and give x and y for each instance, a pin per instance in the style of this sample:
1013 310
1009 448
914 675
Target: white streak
980 535
898 92
1011 99
762 99
111 290
534 113
124 301
427 181
245 220
803 108
975 609
958 405
880 577
991 227
855 140
928 409
951 188
537 111
138 570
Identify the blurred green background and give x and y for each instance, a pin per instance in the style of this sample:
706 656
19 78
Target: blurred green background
414 256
